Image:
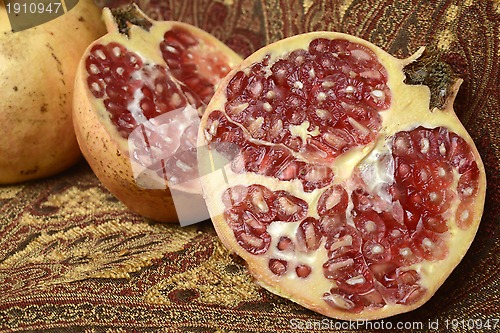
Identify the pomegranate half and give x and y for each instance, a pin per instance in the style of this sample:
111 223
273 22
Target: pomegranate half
37 70
139 93
337 182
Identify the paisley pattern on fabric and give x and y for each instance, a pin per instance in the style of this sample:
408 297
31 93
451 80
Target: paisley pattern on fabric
73 258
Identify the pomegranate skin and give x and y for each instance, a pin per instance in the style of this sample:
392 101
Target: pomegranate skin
37 70
106 151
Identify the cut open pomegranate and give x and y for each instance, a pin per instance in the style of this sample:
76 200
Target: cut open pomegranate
343 188
139 93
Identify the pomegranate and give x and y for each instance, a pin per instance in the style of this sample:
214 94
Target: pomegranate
37 70
346 183
139 93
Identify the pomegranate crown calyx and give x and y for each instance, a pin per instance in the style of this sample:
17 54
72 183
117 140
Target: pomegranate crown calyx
430 70
122 18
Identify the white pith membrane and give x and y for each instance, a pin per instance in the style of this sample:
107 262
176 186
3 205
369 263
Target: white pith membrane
284 266
161 148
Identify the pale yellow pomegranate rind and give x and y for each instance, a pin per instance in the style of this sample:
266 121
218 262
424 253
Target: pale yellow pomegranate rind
409 109
37 70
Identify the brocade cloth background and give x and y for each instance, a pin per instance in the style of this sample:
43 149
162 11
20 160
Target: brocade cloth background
74 259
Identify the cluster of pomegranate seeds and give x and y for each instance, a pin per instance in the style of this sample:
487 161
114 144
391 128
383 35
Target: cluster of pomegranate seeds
425 164
132 91
289 119
369 241
199 72
249 210
136 94
268 160
319 102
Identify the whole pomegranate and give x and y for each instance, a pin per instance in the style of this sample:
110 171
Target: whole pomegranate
37 70
350 185
139 93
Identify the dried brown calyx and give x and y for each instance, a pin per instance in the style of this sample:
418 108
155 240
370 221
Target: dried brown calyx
130 15
433 72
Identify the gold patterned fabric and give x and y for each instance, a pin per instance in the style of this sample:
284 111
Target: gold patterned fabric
74 259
